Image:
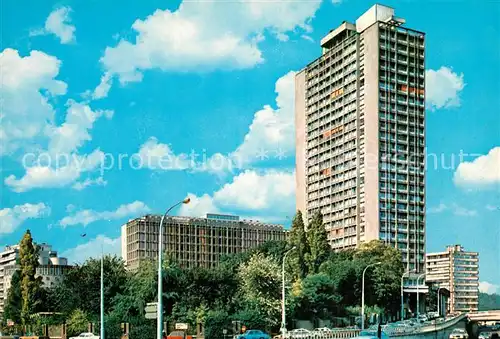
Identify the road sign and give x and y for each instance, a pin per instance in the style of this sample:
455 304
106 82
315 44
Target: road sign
181 326
151 310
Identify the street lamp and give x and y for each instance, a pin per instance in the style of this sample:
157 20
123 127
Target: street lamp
418 294
402 295
283 315
159 328
363 294
439 302
102 292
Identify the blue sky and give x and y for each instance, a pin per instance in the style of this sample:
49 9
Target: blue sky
154 82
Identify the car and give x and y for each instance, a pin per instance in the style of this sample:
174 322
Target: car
300 333
458 333
254 334
484 335
370 334
86 335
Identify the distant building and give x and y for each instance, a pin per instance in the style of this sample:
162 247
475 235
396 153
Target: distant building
194 241
458 271
360 135
51 268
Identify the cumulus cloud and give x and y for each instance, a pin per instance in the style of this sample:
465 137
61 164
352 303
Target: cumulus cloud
270 193
101 91
438 209
205 35
443 88
27 85
80 185
11 218
486 287
272 129
93 249
270 135
85 217
49 176
74 132
480 172
59 23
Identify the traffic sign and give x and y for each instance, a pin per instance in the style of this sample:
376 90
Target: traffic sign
151 310
181 326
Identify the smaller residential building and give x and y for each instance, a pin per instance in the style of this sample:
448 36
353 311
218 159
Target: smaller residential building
457 270
193 241
51 268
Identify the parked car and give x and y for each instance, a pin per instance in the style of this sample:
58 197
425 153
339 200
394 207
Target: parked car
484 335
254 334
458 333
300 333
86 335
323 330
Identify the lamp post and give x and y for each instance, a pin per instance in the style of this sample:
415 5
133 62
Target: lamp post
439 302
283 314
418 294
402 295
363 294
159 328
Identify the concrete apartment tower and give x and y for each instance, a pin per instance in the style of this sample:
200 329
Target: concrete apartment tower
360 135
456 270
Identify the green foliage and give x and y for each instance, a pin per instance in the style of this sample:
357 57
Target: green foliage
260 285
216 322
298 239
30 286
77 322
317 239
84 281
14 300
489 302
317 297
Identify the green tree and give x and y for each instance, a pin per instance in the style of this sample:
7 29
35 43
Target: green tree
298 239
13 304
317 239
260 286
77 322
489 302
318 298
30 286
80 287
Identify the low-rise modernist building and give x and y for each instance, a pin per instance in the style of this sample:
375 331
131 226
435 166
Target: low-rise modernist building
51 268
458 271
194 241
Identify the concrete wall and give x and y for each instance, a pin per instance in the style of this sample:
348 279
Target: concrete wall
300 143
371 111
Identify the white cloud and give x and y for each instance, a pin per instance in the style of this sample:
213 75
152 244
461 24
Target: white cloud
156 156
85 217
80 185
438 209
27 85
59 24
93 249
46 176
205 35
492 208
270 193
486 287
454 208
481 172
272 130
11 218
443 88
74 132
101 91
464 212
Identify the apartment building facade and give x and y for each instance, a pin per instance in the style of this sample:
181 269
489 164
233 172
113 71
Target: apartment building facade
193 241
458 271
50 267
360 135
